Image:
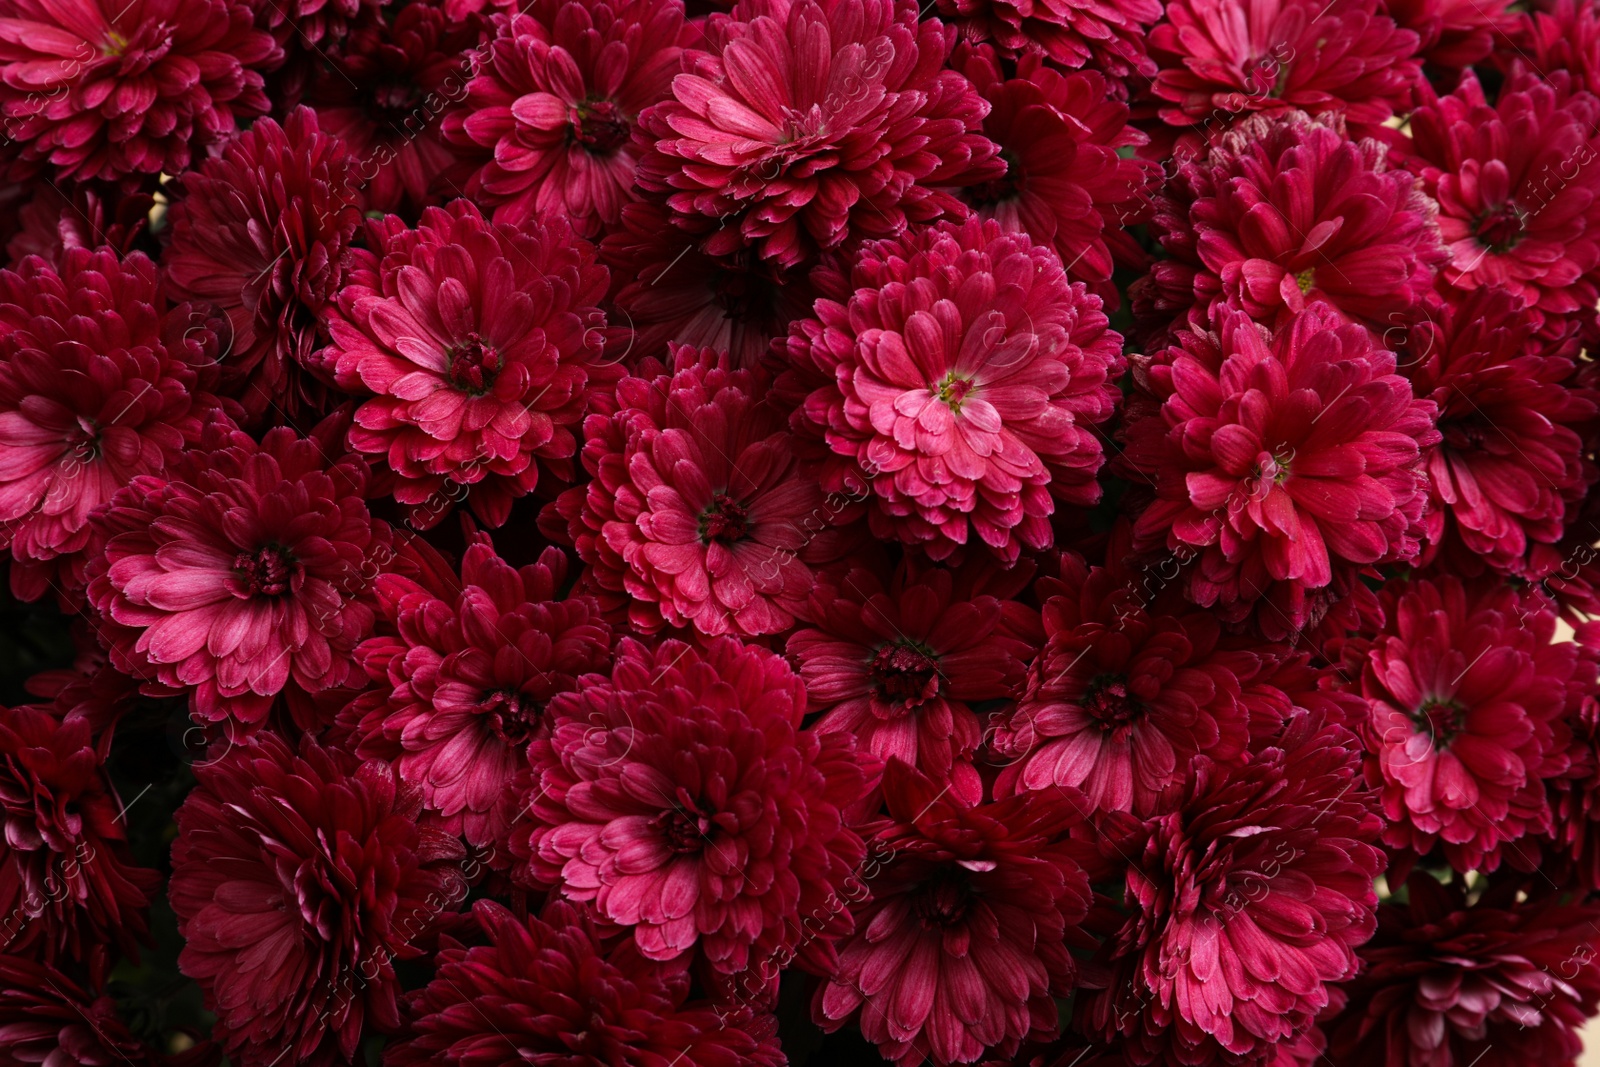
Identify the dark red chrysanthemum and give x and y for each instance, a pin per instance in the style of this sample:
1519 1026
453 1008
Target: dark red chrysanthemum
699 513
463 686
899 668
67 888
1497 983
1065 182
1281 461
383 91
963 941
1070 33
298 879
481 342
1518 208
1453 34
49 1020
1223 58
1572 845
544 990
262 232
1465 690
682 799
1249 903
807 124
101 381
1511 464
84 215
245 570
107 89
962 383
1284 211
1563 35
556 99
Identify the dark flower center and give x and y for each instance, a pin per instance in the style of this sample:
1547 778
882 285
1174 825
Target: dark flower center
1109 701
945 900
997 190
906 673
1443 719
743 296
1499 230
685 827
393 99
953 391
599 126
511 715
474 365
267 571
724 520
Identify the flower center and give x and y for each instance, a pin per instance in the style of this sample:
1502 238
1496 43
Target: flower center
389 98
685 827
997 190
944 901
906 673
599 126
1272 468
511 715
115 44
1306 279
1443 719
724 520
1499 230
267 571
1109 701
953 391
474 365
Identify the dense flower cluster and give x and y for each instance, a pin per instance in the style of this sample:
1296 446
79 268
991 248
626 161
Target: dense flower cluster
707 533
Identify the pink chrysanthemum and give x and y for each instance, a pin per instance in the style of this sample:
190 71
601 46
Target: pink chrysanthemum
100 381
1069 33
1518 203
1454 34
1511 463
481 342
68 890
1465 690
1065 182
107 89
1223 58
381 92
962 382
963 941
1284 211
1563 35
699 513
1280 462
810 123
262 233
1249 903
556 99
298 878
900 668
1497 983
243 571
682 799
463 686
545 989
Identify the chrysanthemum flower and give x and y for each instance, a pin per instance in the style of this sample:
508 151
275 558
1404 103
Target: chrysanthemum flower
1249 903
84 215
962 382
101 381
298 878
262 232
1070 33
1511 463
699 513
463 686
557 98
1570 852
809 123
46 1018
900 668
1223 58
301 26
383 92
1465 689
481 342
1287 459
1454 34
681 798
244 570
544 989
1497 984
1554 35
68 890
1284 211
108 89
1518 208
963 941
1065 182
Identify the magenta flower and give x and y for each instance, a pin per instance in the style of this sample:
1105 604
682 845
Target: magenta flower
1070 33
